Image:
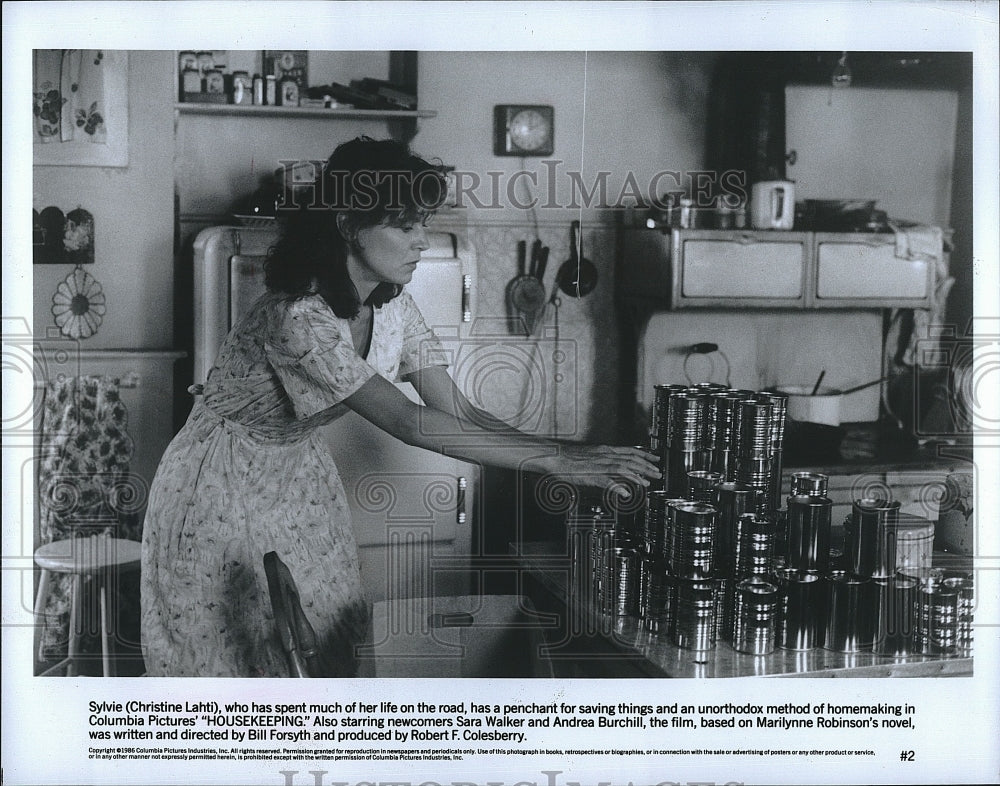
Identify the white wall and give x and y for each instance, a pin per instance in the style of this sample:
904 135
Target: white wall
619 112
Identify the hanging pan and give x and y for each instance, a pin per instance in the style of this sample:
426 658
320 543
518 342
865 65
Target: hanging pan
577 276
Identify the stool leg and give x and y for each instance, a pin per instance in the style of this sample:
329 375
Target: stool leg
105 639
75 625
40 598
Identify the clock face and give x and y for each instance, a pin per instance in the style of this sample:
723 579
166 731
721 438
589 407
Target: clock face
529 129
523 130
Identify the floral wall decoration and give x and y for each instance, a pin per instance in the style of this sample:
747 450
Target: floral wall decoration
78 304
58 238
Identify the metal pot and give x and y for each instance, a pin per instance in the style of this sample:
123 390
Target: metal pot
822 407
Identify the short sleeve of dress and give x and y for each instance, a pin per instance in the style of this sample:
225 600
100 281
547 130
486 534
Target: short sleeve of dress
421 348
313 356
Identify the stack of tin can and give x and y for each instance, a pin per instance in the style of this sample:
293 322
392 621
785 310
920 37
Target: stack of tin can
713 556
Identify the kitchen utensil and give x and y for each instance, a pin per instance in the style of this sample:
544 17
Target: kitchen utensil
577 276
525 293
862 386
772 204
819 381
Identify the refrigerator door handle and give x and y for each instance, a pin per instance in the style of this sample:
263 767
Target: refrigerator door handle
466 298
460 516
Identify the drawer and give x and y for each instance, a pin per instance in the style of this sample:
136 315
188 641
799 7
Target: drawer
763 268
869 272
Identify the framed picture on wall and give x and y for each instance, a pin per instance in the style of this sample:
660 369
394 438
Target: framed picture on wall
80 107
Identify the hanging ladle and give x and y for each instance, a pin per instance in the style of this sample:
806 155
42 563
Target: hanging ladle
577 276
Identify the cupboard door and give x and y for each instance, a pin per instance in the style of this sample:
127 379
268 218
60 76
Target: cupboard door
863 270
744 269
890 144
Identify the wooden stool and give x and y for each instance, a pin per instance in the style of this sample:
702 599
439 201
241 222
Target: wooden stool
96 557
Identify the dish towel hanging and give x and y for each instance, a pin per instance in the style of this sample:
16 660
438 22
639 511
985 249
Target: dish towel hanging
69 102
926 243
83 477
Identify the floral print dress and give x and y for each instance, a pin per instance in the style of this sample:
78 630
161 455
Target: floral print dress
249 473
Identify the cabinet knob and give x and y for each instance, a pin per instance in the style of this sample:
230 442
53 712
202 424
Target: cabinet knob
791 157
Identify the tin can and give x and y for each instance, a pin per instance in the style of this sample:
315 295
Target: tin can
694 614
270 90
871 537
258 90
897 607
701 485
850 614
754 616
800 608
809 526
937 619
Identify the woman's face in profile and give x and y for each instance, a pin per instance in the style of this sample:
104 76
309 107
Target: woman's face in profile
389 253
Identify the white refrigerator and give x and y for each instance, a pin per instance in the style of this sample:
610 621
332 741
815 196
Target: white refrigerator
411 508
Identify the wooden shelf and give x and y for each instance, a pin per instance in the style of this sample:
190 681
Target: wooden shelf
318 113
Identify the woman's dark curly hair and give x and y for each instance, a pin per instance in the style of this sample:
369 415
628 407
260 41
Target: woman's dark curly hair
368 182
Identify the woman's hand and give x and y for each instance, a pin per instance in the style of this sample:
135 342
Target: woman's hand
612 469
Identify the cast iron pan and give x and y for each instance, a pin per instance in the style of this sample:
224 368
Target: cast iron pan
577 276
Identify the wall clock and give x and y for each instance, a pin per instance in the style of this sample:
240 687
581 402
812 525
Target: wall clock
523 130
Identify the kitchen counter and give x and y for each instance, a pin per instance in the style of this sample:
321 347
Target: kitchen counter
598 646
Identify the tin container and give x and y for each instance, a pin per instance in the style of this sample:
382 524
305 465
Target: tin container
660 420
754 436
656 528
754 548
914 542
694 616
896 625
754 616
701 485
692 539
624 567
270 90
963 583
724 601
870 540
809 525
936 619
800 608
811 484
656 595
732 500
258 90
850 613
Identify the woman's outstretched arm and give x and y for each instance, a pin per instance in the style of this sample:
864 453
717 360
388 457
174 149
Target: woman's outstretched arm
449 424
